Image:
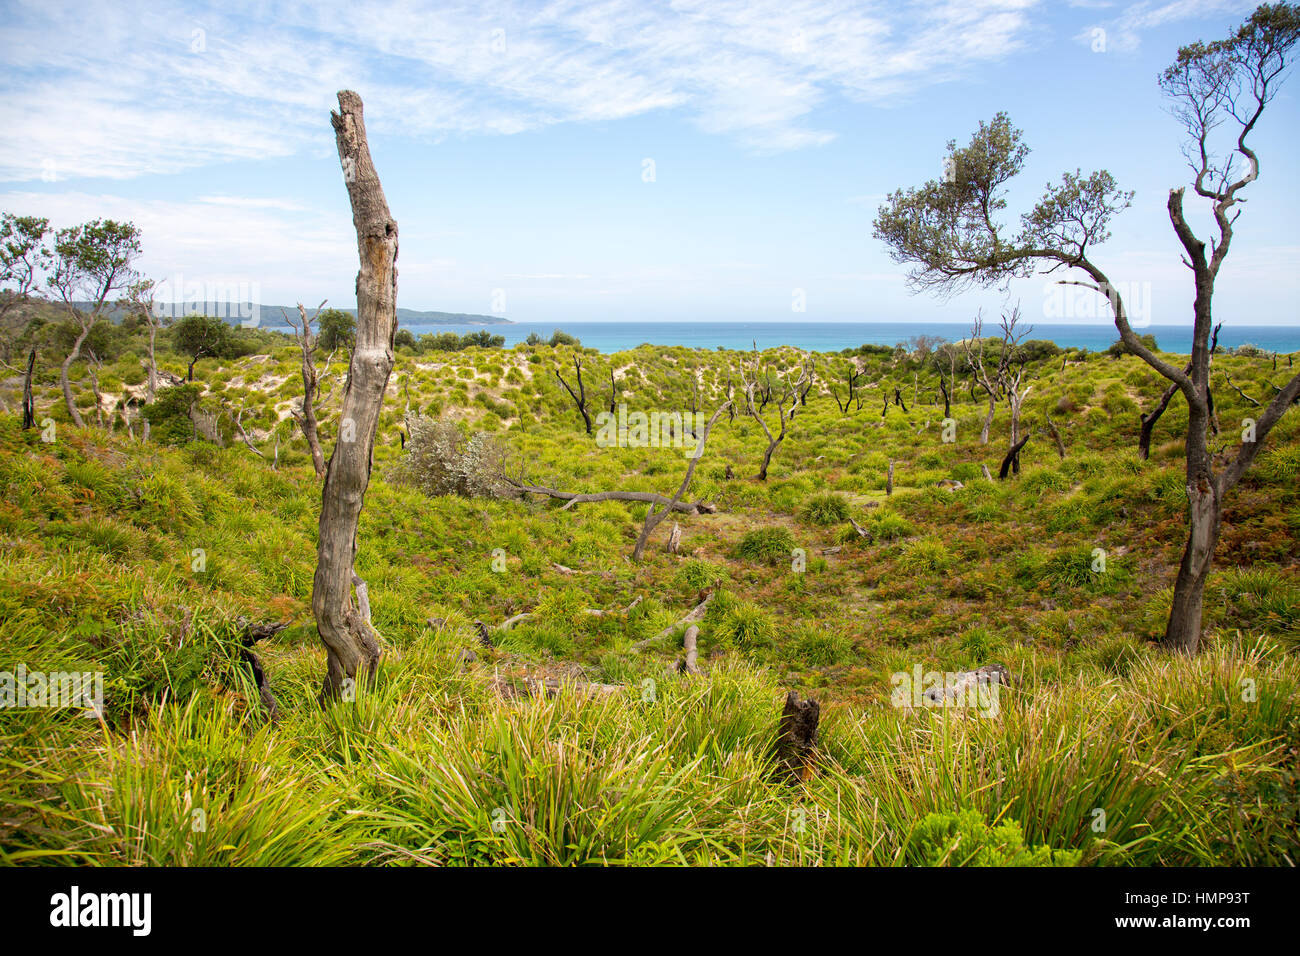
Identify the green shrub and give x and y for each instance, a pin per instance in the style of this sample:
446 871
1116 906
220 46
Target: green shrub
746 625
827 508
766 545
965 838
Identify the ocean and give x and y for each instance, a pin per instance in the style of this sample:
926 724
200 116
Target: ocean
834 336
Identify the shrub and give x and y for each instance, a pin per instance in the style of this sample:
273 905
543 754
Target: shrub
1118 347
745 624
928 554
965 838
826 509
819 648
440 461
768 545
696 574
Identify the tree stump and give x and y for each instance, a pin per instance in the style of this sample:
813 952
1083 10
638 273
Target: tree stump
796 743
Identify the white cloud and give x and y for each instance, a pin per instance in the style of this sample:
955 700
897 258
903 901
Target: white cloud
108 91
1124 33
220 240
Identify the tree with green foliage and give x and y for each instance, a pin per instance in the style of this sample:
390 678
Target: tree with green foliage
170 417
203 336
949 233
24 256
336 329
90 263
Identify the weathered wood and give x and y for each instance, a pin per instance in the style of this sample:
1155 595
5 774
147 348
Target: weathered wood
571 498
352 648
696 614
690 646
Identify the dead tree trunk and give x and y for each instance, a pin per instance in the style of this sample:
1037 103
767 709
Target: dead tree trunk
1012 454
691 653
29 400
579 399
796 742
344 626
310 385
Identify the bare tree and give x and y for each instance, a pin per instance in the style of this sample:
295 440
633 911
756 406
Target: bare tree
751 386
946 354
851 376
580 398
351 645
307 344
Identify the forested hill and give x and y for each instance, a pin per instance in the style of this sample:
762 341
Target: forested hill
272 316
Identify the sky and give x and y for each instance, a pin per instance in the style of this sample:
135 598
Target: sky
619 160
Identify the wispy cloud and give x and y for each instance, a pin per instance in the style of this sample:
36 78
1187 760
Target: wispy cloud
1124 32
122 94
192 238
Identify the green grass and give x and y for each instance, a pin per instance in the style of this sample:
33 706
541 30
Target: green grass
136 559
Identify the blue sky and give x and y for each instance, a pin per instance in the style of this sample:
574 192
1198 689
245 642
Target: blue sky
515 143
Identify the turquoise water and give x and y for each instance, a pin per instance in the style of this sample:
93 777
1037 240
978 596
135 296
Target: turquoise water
833 336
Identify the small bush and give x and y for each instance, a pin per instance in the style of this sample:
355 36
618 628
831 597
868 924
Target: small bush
767 545
967 839
825 509
746 625
440 461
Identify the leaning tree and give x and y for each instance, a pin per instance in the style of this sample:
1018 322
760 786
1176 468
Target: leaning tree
343 624
91 262
951 235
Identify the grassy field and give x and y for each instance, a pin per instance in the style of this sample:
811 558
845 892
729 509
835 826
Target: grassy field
139 559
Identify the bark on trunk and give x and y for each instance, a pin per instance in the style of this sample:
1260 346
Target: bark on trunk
344 625
1183 631
796 744
29 400
66 383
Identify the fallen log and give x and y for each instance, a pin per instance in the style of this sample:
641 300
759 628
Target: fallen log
571 498
696 614
690 644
